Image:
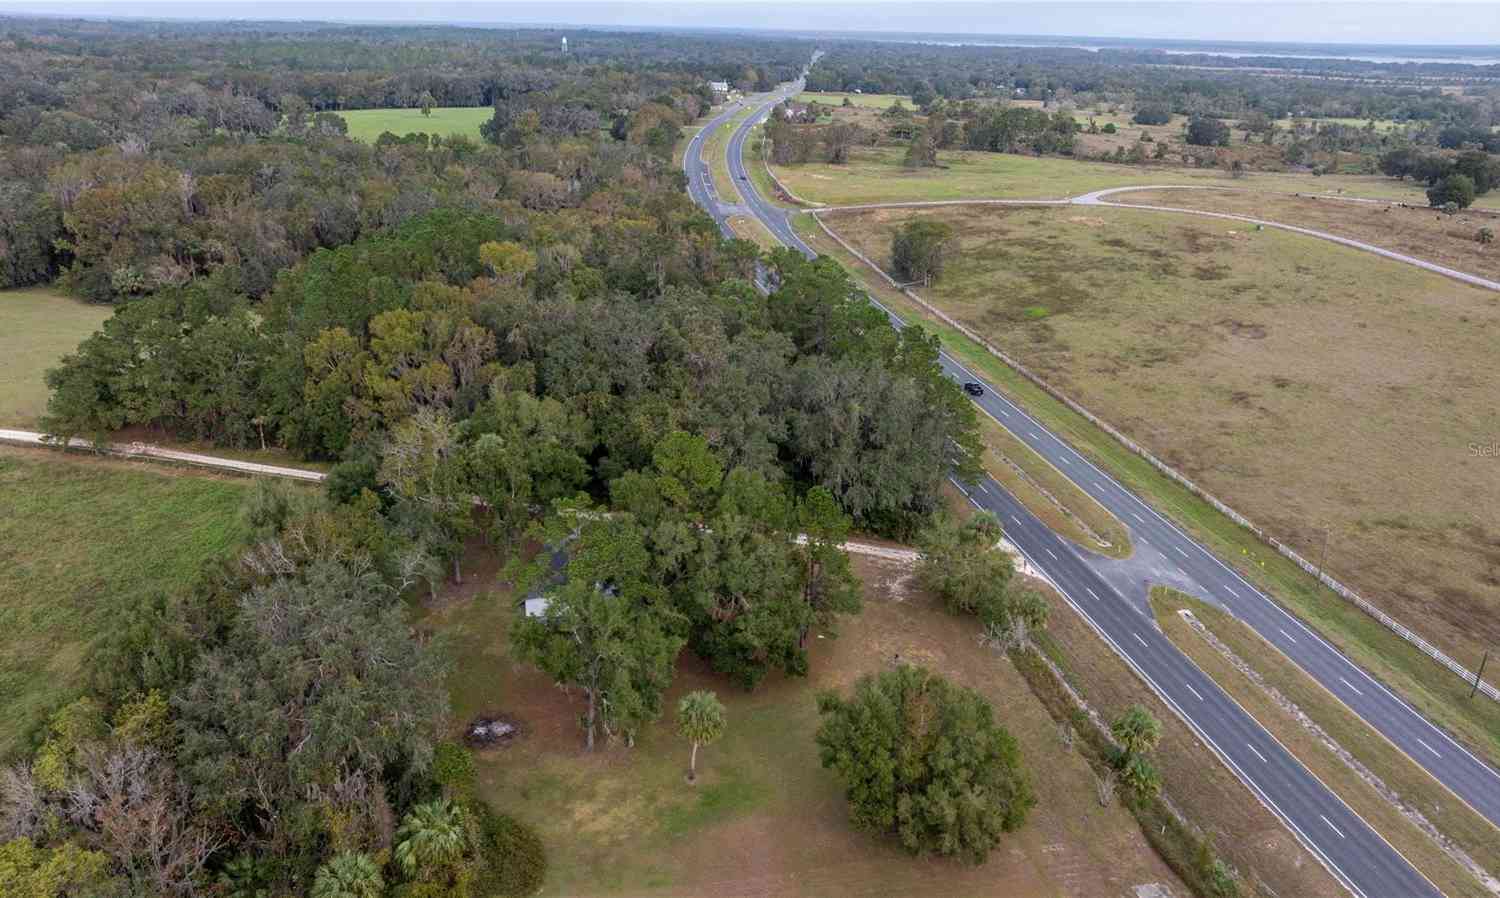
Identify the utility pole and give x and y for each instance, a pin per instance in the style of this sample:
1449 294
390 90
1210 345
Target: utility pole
1483 661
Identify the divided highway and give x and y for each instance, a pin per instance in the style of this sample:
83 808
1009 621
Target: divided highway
1356 855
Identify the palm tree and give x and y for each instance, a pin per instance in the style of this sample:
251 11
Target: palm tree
1136 731
349 874
700 720
432 839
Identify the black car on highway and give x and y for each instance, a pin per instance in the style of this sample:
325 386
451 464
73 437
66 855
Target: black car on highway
973 388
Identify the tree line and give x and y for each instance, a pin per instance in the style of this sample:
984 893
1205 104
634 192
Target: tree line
140 158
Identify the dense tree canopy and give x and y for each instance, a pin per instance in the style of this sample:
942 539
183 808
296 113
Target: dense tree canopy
924 759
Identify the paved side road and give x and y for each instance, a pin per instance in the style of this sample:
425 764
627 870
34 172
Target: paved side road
1357 855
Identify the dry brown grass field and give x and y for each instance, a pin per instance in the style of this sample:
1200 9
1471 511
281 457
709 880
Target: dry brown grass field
1426 234
1330 395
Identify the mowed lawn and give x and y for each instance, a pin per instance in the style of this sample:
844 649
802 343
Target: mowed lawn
765 818
1331 395
368 124
38 326
876 175
80 539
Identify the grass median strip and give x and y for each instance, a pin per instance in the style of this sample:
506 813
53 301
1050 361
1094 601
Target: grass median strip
716 154
1469 831
1046 493
1430 688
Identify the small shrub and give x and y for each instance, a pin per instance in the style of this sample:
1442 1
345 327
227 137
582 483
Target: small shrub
512 859
1485 235
1109 128
453 769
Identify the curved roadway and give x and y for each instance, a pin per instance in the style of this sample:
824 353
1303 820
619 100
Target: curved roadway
1351 849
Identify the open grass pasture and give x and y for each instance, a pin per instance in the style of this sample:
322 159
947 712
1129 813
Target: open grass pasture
368 124
1420 232
868 101
876 175
1326 393
81 538
1431 688
765 818
38 326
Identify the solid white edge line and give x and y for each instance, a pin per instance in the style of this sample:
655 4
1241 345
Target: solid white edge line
1327 862
1257 593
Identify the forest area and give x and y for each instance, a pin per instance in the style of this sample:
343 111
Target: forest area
534 345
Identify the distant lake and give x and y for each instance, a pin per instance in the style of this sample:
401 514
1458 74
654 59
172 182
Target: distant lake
1479 56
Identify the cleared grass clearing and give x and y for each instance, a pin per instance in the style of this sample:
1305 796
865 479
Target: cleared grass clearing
876 175
368 124
869 101
1423 233
81 538
1432 689
765 818
1308 385
1471 832
38 326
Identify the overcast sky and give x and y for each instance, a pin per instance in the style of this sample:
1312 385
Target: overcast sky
1351 22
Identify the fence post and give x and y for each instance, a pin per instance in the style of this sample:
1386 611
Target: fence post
1482 662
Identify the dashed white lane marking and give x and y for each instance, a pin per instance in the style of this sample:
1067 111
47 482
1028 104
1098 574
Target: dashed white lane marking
1092 593
1035 435
1180 551
1257 754
1288 636
1016 519
1053 554
1138 517
1064 459
1231 590
1138 638
1194 692
1098 484
1352 686
1331 826
1429 748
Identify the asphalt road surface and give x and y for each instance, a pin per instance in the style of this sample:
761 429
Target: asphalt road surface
1352 850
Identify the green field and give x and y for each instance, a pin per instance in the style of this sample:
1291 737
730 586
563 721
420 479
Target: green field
79 539
765 818
368 124
38 326
877 176
869 101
